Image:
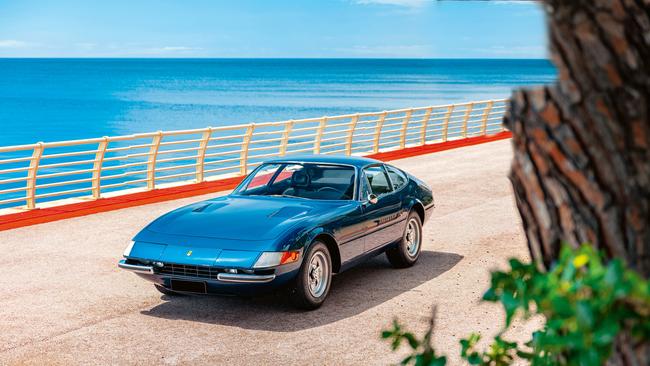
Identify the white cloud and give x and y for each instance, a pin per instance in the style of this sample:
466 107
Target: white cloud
510 51
405 51
404 3
178 48
165 50
513 2
87 46
12 43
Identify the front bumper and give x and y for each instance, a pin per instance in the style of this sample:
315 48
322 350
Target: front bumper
224 277
135 268
222 283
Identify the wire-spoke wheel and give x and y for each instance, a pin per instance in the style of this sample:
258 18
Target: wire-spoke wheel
313 281
407 250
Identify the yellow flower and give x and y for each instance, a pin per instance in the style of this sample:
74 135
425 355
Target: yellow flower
580 260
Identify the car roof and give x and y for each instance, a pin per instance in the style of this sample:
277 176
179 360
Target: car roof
357 161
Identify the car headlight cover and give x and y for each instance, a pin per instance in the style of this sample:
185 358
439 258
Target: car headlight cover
128 249
272 259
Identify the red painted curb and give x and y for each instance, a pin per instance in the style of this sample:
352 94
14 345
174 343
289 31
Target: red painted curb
42 215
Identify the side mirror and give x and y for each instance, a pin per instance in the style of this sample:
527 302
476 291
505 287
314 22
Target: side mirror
372 198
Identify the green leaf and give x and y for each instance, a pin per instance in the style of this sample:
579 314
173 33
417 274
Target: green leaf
412 341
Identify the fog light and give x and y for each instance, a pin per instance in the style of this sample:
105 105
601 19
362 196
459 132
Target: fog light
231 270
159 264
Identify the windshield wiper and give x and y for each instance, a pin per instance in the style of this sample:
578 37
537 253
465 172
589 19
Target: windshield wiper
287 195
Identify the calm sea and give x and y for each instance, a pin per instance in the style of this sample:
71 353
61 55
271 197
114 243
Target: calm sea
61 99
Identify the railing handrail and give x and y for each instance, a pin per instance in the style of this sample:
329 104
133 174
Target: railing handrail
141 163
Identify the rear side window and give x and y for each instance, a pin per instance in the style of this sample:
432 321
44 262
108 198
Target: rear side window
378 179
398 178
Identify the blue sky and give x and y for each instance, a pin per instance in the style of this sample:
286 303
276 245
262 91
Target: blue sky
272 28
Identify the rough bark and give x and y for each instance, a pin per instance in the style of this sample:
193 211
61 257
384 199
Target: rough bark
581 167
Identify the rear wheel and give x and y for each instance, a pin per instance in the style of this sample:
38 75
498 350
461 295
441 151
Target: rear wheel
166 291
312 284
407 251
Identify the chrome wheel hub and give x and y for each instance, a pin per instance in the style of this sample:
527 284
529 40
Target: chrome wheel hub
412 237
318 274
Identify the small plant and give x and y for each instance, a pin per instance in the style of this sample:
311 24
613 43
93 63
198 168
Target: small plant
584 302
422 350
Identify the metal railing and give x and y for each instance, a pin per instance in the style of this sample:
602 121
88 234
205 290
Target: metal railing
31 175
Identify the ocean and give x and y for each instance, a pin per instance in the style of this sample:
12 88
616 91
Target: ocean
63 99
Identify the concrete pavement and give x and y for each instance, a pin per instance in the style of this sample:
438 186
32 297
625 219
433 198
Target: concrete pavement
64 301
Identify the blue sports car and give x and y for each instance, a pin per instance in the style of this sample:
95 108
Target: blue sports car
292 223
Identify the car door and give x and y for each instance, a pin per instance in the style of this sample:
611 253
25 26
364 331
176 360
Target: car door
381 216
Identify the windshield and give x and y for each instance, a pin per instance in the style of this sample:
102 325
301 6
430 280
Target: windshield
311 181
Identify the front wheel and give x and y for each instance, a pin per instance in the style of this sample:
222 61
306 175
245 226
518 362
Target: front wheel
407 251
312 284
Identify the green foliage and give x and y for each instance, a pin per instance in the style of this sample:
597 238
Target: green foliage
422 353
585 304
500 353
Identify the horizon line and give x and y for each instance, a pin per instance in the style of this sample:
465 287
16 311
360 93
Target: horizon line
268 58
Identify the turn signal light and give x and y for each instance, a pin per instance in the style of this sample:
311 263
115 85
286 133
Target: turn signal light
288 257
272 259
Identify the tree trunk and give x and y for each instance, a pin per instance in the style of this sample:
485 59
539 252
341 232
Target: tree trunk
581 167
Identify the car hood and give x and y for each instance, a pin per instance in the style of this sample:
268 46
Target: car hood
248 218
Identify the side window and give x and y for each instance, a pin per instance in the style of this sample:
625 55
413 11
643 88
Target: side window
378 180
398 178
365 187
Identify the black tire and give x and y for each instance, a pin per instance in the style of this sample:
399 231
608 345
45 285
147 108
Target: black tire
166 291
306 292
407 250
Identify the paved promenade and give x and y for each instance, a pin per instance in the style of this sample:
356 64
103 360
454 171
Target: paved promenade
64 301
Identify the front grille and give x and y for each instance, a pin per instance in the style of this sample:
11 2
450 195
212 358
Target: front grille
189 270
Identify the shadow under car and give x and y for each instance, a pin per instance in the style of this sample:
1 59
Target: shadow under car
354 291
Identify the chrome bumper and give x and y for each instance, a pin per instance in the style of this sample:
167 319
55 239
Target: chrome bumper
223 277
135 268
244 278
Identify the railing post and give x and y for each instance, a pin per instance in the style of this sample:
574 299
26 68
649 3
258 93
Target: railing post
348 142
243 156
319 134
151 163
288 126
468 111
31 175
445 124
405 123
506 105
425 125
200 154
376 138
97 168
486 113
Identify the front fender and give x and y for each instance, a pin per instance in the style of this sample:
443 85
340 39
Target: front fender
301 238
